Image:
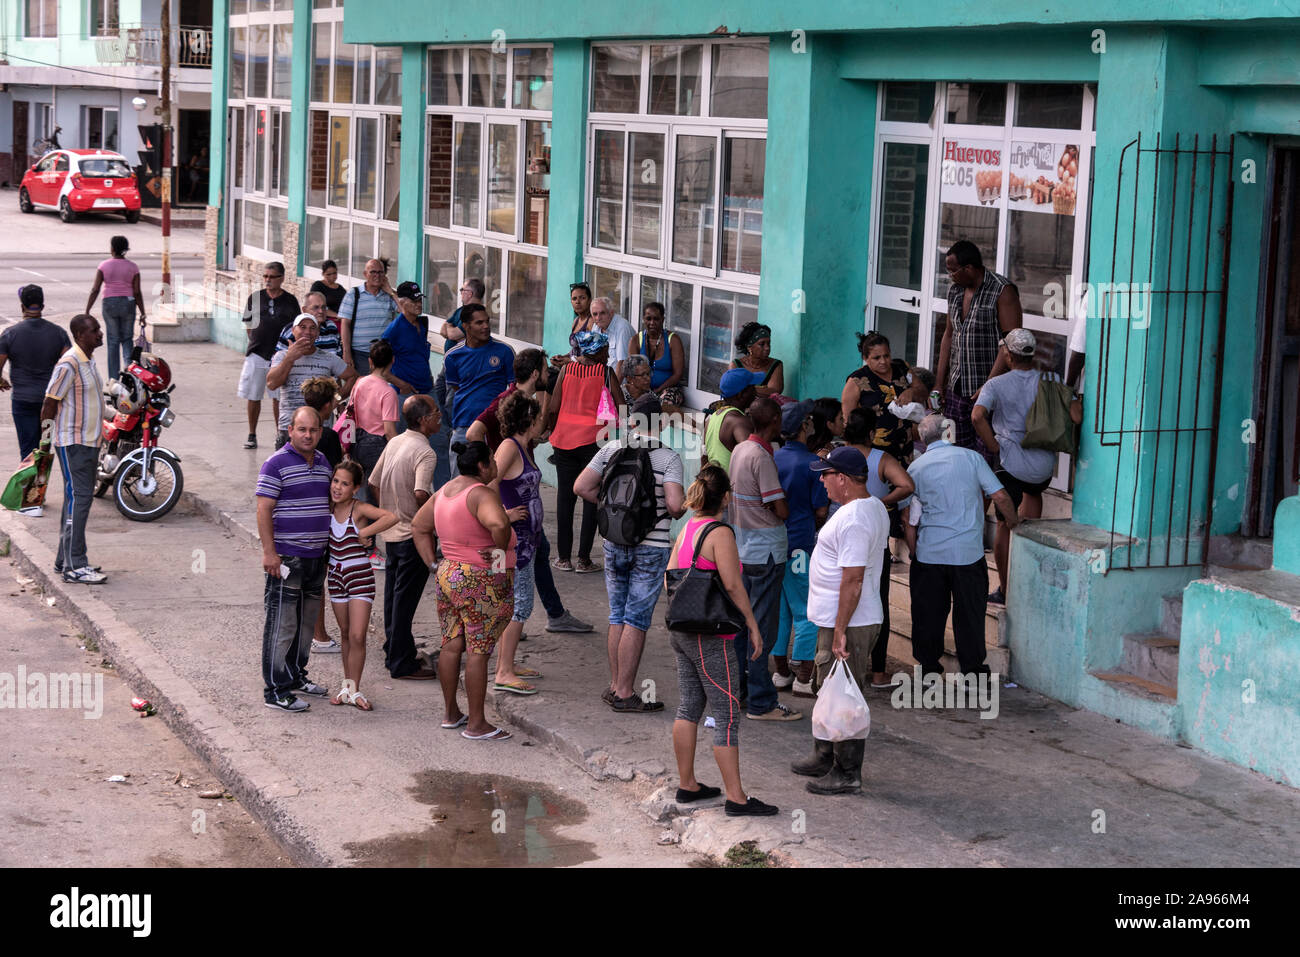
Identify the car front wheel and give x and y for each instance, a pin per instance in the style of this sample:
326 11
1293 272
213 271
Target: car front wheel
65 211
25 201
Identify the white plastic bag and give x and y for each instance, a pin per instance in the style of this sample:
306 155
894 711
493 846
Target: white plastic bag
841 713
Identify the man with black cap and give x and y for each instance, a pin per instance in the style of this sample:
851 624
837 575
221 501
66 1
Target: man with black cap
32 346
728 424
408 334
300 362
850 551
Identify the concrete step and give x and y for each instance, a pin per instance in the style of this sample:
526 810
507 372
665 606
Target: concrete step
997 656
1171 615
1151 657
1142 687
1235 553
170 322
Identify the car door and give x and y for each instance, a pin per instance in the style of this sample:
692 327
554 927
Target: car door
42 178
59 185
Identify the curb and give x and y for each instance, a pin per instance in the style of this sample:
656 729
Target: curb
218 516
260 786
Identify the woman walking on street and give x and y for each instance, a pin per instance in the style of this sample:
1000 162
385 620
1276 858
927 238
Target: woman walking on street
704 671
350 578
120 280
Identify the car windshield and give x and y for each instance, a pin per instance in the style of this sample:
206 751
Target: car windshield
105 167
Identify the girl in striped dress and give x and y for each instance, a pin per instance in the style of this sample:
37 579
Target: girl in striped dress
350 578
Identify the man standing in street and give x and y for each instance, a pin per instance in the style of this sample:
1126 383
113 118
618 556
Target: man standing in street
850 552
31 347
293 523
982 307
300 362
478 370
758 514
402 481
74 402
364 314
274 309
948 567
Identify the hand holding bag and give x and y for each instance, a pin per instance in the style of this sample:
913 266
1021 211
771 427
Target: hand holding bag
698 604
841 713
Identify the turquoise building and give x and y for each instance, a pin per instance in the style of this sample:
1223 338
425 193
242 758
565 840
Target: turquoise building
1132 170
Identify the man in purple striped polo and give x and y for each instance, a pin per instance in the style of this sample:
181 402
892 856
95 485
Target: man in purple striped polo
293 522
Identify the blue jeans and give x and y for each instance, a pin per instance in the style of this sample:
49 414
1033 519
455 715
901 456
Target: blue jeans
292 604
119 322
27 423
634 576
763 585
440 442
794 614
545 579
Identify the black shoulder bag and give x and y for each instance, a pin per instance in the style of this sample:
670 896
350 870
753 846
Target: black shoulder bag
698 604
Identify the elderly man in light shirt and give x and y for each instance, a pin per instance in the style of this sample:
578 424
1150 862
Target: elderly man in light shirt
616 327
948 567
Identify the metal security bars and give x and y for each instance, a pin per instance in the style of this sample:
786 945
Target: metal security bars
1163 316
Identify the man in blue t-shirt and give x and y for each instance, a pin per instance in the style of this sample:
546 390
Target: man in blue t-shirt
408 334
809 504
478 370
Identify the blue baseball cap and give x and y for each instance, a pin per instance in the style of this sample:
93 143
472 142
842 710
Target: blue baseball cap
734 382
846 460
792 416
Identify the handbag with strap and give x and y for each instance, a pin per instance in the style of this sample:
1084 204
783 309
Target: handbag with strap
1048 424
698 603
346 427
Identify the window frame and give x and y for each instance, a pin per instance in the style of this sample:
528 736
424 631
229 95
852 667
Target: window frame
45 31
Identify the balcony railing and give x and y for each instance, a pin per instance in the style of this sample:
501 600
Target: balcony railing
142 46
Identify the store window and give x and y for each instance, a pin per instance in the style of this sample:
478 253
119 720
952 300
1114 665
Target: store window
677 140
353 157
487 197
100 126
41 18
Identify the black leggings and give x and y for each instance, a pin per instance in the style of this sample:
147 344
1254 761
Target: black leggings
569 464
881 647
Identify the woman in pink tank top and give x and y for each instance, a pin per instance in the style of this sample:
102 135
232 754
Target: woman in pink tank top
706 671
120 280
474 582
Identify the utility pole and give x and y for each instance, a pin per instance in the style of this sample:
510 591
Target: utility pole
166 31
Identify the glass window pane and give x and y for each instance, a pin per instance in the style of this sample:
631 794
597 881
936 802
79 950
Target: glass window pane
617 286
440 256
484 262
678 300
277 149
647 194
902 329
739 80
908 102
979 104
526 297
238 7
110 129
503 177
340 162
339 248
282 78
1050 354
344 67
318 154
254 224
466 181
938 323
722 314
438 205
607 221
275 219
388 76
694 200
1040 251
487 79
388 252
742 205
321 42
533 68
675 79
1057 106
284 151
237 137
365 169
616 79
238 61
392 167
537 180
259 53
446 77
260 132
363 60
363 247
979 224
316 240
901 242
237 227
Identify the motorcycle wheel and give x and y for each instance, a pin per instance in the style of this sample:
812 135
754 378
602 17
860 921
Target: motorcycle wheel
140 507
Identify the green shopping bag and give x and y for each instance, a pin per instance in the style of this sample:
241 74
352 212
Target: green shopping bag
26 487
1048 424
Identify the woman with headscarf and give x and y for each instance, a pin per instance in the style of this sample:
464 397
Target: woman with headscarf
755 356
586 398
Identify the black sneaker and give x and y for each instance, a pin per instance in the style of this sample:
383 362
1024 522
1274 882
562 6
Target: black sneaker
288 703
751 808
705 793
251 443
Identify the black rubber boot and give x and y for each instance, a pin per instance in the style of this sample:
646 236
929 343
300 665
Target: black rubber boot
822 760
845 777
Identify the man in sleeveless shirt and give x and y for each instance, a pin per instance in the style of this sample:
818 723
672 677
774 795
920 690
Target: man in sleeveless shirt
982 307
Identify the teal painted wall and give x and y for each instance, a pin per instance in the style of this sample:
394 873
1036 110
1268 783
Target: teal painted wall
410 240
1001 55
299 95
1286 536
217 117
564 263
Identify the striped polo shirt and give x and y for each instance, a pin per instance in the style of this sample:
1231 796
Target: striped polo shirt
301 518
75 382
369 314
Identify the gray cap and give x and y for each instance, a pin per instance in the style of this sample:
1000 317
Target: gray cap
1020 342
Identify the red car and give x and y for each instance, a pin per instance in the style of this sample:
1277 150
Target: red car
81 181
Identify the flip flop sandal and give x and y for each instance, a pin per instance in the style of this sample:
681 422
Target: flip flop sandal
347 693
460 723
362 702
522 687
500 734
527 673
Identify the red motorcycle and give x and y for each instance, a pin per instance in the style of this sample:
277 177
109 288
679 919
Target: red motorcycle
146 478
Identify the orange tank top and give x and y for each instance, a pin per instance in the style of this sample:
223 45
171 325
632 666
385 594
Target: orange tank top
462 535
576 424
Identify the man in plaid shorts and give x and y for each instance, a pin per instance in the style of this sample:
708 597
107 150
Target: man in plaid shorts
982 307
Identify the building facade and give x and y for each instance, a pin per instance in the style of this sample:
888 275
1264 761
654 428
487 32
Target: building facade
806 166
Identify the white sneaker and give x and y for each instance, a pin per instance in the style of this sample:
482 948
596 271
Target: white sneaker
802 689
781 682
32 511
378 561
85 576
331 647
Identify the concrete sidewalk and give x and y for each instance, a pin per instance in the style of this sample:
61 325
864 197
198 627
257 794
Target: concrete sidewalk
1041 784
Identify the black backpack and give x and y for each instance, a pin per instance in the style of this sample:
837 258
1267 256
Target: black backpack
626 506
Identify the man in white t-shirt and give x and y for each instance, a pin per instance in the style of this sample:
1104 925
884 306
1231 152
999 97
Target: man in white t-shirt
616 327
850 549
298 363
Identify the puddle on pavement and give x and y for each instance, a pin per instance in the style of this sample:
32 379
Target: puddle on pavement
482 820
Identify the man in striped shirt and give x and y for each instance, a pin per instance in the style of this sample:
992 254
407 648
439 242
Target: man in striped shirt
293 522
364 314
74 404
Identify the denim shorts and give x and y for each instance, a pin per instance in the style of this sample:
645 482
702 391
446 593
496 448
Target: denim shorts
634 576
524 592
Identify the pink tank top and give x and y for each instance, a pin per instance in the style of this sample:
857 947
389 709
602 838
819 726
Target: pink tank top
461 535
687 550
118 277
